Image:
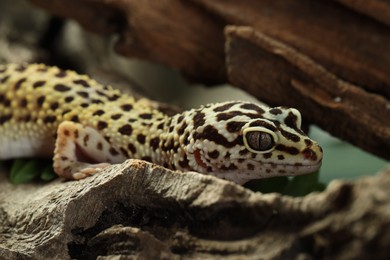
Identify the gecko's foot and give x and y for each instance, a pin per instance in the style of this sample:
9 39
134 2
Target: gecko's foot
89 170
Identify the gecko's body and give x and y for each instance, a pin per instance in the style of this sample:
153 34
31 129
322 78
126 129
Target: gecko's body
45 109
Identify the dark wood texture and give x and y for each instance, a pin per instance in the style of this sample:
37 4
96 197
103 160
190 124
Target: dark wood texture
322 57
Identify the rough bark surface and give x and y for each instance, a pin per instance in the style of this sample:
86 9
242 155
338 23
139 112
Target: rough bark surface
343 58
141 210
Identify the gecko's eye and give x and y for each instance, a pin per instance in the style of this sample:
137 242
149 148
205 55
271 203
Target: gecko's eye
259 141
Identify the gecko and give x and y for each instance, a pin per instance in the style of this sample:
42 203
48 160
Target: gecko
85 126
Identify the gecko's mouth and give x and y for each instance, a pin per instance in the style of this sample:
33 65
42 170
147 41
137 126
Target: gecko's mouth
198 159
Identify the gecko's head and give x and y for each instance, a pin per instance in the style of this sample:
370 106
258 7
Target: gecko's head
240 141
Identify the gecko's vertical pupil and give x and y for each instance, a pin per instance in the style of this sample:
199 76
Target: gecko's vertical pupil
259 141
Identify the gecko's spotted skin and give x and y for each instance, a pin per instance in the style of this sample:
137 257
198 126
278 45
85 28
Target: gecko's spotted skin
87 125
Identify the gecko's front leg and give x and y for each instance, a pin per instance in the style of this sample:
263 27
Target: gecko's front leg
81 151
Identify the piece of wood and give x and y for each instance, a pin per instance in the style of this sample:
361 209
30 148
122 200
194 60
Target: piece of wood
141 210
293 79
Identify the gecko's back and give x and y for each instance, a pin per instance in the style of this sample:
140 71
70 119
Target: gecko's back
35 99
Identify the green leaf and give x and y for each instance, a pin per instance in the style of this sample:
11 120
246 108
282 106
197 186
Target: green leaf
276 184
302 185
48 173
25 170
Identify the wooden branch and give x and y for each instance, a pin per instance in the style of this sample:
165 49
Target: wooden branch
339 107
141 210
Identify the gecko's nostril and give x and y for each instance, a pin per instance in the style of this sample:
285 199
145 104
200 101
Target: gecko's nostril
309 154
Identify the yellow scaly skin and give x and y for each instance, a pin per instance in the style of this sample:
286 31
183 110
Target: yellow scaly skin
88 126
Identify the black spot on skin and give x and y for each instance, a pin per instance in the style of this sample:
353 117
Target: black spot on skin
290 136
182 128
268 170
100 93
84 105
23 102
4 79
131 148
124 152
132 120
291 120
231 167
2 98
171 128
168 145
76 134
147 158
127 107
243 152
61 88
96 101
184 163
39 83
75 118
114 97
287 149
141 138
85 140
214 154
69 99
116 116
308 142
234 126
267 155
199 119
99 146
125 130
40 101
19 83
282 171
250 166
27 118
83 94
181 117
64 158
280 157
146 116
254 107
98 112
263 124
186 139
113 151
227 156
276 111
211 133
65 112
21 68
49 119
5 118
154 143
82 83
61 74
232 114
101 125
224 107
160 126
6 102
54 106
